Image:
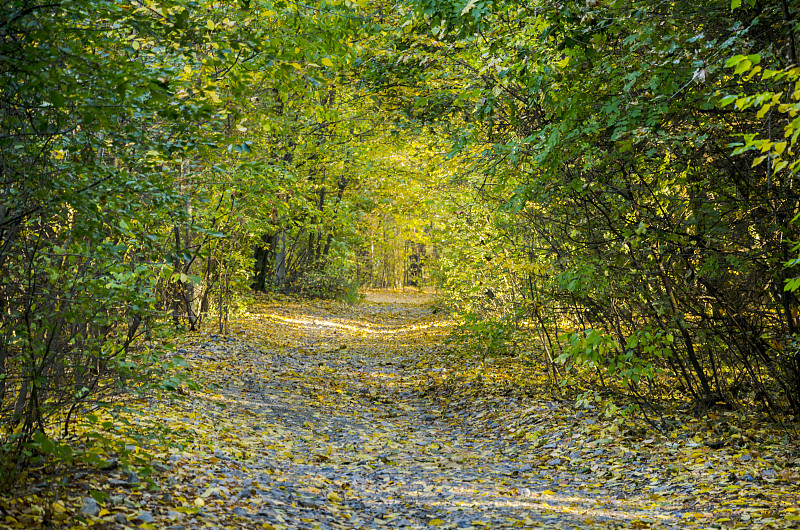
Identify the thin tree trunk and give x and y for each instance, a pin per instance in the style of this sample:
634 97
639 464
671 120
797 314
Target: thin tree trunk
687 338
280 259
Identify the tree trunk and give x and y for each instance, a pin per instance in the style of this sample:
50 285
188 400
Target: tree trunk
261 258
280 259
342 184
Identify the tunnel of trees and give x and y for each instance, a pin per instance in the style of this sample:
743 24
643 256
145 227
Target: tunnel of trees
607 187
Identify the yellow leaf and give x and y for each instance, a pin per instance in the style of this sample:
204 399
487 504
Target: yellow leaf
326 62
435 522
208 492
103 512
467 8
334 497
199 502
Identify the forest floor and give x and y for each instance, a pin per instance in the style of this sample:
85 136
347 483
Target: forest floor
318 415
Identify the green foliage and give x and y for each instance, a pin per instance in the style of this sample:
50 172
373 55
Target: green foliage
634 363
123 208
84 195
780 151
483 337
330 284
590 158
573 186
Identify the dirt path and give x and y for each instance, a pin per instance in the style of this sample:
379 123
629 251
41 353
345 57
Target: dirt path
326 416
331 429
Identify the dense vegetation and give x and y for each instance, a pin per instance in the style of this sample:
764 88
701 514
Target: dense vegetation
630 199
606 188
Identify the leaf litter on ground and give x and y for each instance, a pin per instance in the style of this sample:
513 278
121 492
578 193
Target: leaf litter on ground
323 415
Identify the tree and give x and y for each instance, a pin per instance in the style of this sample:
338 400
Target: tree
597 153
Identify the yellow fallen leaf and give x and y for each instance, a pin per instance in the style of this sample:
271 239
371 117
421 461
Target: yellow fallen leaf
199 502
334 497
435 522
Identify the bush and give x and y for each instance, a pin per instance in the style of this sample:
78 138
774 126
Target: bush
332 284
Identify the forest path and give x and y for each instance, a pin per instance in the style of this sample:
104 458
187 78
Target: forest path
319 415
331 420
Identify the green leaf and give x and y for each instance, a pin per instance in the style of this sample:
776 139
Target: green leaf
45 444
742 67
779 164
733 61
792 284
761 113
65 453
99 496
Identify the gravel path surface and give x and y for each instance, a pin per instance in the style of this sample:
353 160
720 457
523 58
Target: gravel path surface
333 429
